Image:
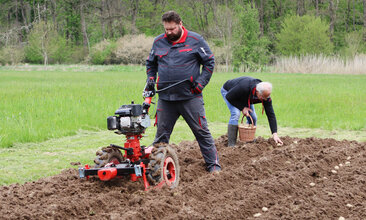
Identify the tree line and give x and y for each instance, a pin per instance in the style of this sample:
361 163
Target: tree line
249 31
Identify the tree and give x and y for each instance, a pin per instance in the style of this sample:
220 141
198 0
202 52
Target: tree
71 19
224 19
333 6
84 23
83 26
261 16
304 35
364 21
300 9
45 45
250 50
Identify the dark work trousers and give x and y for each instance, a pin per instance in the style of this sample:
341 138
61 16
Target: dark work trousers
193 112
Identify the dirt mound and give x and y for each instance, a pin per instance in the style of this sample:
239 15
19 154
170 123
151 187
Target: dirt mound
304 179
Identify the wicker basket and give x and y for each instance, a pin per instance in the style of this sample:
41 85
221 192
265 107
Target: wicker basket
247 133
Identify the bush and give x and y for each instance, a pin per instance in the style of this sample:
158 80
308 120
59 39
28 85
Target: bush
77 54
220 53
102 52
11 55
45 45
130 49
304 35
133 49
354 45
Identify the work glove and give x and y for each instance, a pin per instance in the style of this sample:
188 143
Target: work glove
196 88
150 84
149 90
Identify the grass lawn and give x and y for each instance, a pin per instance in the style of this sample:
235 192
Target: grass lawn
51 118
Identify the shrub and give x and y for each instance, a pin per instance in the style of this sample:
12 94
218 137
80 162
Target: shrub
221 53
77 54
353 44
45 45
304 35
11 55
102 52
133 49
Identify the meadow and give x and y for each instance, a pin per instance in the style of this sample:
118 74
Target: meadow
39 105
51 119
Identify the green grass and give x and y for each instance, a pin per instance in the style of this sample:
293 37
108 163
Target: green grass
304 101
40 105
49 119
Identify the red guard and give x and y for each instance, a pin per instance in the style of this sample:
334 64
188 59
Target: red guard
107 174
87 168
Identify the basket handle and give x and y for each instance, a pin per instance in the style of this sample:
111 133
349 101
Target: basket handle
251 119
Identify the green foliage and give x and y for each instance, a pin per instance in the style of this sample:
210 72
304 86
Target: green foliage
33 50
304 35
11 55
70 15
45 45
149 18
102 53
129 49
250 49
354 44
77 55
215 20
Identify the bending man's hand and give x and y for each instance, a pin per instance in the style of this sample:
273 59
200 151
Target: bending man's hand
246 111
277 139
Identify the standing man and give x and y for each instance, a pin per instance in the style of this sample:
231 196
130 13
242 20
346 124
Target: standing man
176 57
240 94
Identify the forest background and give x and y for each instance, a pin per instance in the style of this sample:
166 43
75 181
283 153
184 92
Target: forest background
245 35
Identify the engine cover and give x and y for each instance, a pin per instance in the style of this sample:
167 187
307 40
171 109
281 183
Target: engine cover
129 119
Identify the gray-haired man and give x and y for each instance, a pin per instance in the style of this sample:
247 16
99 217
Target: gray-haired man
240 94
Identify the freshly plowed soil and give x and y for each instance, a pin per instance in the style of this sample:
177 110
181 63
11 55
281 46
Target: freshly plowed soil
303 179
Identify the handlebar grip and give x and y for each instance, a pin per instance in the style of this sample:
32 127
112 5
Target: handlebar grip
148 100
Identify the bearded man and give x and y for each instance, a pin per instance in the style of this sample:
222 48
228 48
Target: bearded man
176 58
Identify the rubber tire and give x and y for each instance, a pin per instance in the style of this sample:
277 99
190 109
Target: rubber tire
157 157
106 155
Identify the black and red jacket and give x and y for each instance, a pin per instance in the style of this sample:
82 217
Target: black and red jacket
241 93
170 62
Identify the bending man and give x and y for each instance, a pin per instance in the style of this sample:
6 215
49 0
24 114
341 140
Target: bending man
239 94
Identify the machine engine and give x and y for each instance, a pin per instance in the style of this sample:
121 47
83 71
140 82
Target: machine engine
129 120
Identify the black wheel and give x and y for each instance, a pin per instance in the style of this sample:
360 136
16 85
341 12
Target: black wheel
164 166
107 155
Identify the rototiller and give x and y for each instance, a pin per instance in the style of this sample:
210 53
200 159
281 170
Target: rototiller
156 165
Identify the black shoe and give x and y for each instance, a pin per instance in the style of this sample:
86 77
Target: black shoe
215 170
232 135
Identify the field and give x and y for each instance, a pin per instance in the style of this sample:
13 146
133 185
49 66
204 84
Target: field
39 105
52 120
307 178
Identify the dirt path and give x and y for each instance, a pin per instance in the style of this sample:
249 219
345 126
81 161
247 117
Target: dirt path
304 179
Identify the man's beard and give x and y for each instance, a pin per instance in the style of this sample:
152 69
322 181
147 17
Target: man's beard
175 37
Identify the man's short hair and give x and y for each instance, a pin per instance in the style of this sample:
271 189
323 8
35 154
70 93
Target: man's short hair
264 86
171 16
